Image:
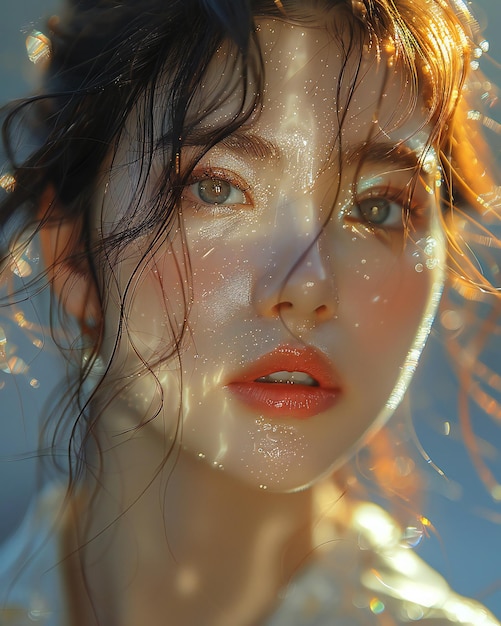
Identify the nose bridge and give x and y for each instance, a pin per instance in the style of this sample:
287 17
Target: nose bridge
298 276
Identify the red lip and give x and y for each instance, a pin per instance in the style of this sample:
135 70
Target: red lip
284 399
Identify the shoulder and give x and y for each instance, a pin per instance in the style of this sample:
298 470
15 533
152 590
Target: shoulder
404 582
31 589
367 577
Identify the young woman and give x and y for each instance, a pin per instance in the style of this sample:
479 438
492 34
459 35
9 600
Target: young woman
248 209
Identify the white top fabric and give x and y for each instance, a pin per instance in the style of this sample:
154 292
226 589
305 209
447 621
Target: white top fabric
366 578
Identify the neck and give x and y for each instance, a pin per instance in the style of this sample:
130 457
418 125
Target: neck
193 544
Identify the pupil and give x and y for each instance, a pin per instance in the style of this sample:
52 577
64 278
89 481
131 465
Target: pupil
214 190
375 210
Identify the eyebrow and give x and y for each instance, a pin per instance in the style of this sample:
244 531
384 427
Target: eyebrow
389 152
244 142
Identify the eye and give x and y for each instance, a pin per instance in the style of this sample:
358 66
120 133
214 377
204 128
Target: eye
214 190
378 211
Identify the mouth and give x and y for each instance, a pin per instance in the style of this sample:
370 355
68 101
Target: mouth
289 382
289 378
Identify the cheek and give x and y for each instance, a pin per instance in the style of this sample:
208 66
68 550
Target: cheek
387 300
143 380
155 296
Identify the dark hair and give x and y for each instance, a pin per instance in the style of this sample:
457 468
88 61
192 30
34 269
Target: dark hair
111 57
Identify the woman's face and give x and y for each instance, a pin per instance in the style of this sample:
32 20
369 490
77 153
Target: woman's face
308 302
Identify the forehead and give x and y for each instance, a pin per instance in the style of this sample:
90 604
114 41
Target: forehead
322 86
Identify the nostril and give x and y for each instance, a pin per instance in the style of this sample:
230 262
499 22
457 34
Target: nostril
324 312
281 307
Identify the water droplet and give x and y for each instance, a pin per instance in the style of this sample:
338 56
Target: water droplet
414 612
484 45
496 492
35 383
411 537
418 267
7 182
451 320
38 47
376 606
201 455
16 366
21 268
474 115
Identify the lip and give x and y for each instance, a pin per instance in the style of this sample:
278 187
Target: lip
284 399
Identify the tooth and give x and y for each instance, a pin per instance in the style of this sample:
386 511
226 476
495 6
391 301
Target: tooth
290 378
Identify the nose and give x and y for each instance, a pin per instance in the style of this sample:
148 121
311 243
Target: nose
299 288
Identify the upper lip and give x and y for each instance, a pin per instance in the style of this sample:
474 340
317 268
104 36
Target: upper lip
292 359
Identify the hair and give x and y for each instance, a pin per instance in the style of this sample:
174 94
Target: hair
110 58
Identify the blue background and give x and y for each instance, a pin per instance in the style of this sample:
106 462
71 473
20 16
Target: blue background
465 544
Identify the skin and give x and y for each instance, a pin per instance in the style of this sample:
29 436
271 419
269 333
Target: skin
285 259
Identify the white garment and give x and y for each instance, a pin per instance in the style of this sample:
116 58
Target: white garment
365 578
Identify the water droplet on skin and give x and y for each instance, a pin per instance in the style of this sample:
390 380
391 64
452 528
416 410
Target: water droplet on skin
418 267
201 455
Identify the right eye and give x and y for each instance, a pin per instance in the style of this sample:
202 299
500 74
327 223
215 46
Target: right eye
215 190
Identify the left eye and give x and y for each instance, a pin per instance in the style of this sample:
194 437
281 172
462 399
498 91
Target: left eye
217 191
379 211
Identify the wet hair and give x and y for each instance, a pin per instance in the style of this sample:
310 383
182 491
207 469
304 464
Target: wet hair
112 58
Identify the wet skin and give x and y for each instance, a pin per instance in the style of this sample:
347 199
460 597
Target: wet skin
301 269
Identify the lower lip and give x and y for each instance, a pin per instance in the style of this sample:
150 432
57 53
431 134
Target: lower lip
284 400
